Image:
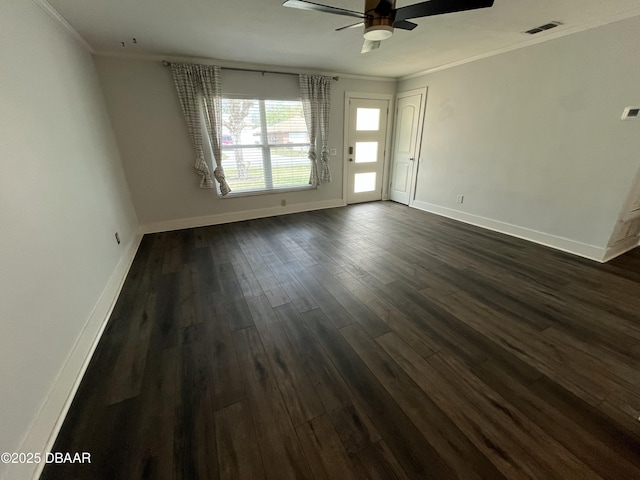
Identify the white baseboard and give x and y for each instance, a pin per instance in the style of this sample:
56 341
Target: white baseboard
42 433
193 222
591 252
621 247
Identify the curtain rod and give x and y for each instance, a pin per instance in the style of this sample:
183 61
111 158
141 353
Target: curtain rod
168 64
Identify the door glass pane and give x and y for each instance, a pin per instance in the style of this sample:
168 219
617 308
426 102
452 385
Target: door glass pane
364 182
366 152
367 119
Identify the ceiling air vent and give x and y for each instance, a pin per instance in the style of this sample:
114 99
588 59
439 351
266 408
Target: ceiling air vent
631 113
542 28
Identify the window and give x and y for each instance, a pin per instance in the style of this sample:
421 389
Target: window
264 145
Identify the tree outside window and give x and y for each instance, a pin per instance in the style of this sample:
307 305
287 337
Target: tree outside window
266 145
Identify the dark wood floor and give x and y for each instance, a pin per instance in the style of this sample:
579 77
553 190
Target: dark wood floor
374 342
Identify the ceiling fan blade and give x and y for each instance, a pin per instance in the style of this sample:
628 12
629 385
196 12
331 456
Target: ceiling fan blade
404 25
384 7
369 45
439 7
353 25
304 5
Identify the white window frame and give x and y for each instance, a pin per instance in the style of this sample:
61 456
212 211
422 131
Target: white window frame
266 153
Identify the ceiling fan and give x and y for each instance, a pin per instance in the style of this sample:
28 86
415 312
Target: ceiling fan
380 17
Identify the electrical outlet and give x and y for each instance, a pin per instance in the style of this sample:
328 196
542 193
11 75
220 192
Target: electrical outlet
460 198
283 202
333 152
118 238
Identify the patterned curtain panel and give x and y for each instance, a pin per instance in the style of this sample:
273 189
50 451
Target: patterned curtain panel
186 79
324 104
212 103
316 100
198 86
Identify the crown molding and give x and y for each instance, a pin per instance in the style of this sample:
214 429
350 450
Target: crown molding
53 13
559 32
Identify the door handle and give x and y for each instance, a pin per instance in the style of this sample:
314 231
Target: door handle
412 159
350 150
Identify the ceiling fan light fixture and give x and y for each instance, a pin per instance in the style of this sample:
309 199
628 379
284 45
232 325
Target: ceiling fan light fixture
380 16
378 32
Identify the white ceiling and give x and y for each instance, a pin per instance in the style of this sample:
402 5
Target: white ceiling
264 32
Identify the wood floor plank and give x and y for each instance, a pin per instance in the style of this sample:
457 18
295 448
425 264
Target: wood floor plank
542 307
409 446
353 426
145 265
126 380
494 296
388 255
195 451
446 440
279 446
509 457
273 291
161 391
244 274
623 373
374 341
238 311
165 330
188 296
360 313
172 258
558 461
298 296
238 454
585 446
377 462
564 366
394 318
293 291
327 302
622 415
597 421
294 252
229 287
110 460
205 279
151 451
296 388
226 380
628 402
433 322
324 450
275 233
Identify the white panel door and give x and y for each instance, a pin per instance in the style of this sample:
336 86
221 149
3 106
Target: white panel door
365 149
407 135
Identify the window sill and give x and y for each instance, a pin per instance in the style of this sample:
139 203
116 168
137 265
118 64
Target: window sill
254 193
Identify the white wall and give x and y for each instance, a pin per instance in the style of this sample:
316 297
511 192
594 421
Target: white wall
63 194
533 138
158 156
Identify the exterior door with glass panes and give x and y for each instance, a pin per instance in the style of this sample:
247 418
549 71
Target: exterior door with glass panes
366 149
